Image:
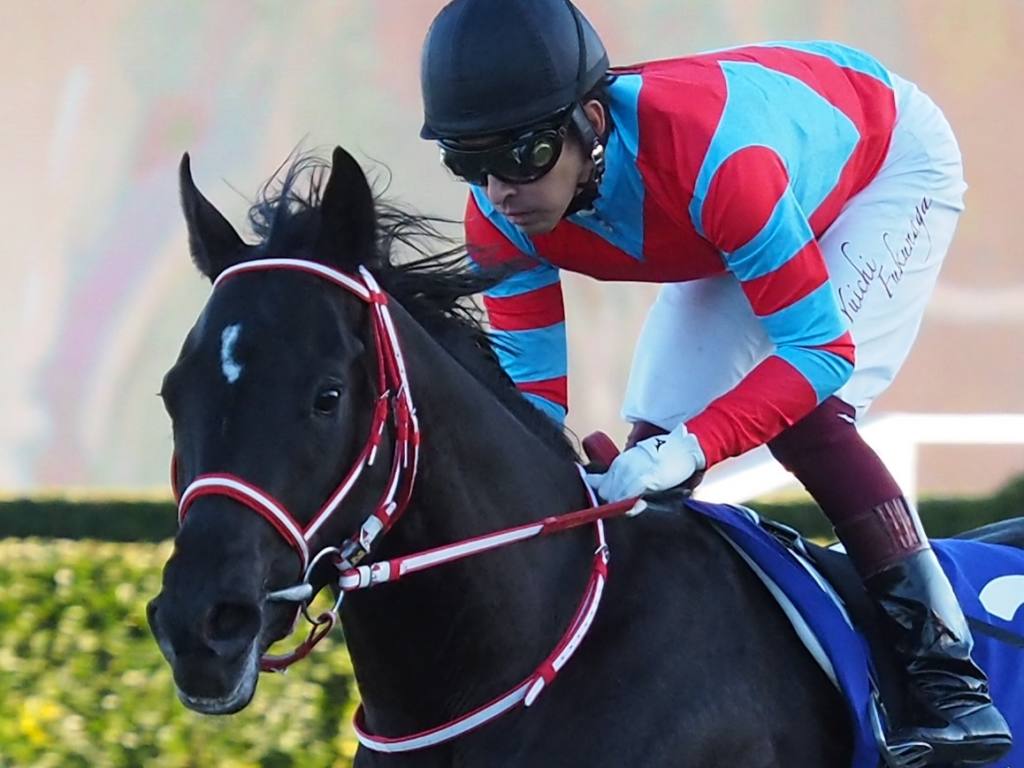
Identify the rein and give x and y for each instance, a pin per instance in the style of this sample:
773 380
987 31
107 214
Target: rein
365 576
395 401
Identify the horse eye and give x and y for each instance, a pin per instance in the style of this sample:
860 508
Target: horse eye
327 400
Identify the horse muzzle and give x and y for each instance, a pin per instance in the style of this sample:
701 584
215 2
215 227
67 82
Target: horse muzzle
214 657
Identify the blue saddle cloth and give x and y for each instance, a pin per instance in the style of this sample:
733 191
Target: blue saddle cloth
988 579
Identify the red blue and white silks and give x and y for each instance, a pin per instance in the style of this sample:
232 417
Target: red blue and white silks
732 162
883 253
988 580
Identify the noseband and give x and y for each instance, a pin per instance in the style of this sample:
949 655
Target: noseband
394 403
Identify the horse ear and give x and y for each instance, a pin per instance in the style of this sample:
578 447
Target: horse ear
348 231
213 242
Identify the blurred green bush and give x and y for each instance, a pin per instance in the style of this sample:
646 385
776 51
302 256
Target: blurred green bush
82 682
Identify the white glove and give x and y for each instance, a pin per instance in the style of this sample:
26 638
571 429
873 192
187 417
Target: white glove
654 464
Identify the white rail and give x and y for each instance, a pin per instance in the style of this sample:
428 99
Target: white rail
895 436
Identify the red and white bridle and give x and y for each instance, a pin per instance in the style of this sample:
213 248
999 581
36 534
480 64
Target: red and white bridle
395 401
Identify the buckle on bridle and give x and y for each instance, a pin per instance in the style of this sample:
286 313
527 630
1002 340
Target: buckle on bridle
353 553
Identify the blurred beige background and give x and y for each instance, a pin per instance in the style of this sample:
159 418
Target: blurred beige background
100 99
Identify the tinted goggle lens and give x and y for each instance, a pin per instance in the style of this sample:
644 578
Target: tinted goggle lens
521 161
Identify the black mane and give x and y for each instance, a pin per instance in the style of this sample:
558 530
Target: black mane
434 286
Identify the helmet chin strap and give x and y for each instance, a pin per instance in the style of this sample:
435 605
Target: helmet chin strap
588 191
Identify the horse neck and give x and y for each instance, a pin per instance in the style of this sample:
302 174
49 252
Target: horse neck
444 641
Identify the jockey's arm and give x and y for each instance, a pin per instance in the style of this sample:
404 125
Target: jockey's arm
751 214
526 315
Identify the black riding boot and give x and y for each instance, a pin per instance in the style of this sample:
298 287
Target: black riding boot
951 710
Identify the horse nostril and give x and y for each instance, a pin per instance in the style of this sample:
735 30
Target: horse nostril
229 622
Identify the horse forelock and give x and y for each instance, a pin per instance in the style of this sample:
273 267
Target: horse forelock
425 270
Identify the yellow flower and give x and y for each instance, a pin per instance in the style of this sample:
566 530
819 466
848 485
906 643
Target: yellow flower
50 711
34 715
30 729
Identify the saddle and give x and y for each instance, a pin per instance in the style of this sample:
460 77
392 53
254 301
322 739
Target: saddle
837 569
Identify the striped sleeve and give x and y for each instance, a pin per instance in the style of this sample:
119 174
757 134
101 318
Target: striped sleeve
751 214
525 311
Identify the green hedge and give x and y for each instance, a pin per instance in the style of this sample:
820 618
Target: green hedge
155 520
82 682
102 519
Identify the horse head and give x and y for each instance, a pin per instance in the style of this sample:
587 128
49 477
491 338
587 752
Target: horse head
273 396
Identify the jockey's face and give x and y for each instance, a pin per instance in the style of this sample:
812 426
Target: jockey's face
537 206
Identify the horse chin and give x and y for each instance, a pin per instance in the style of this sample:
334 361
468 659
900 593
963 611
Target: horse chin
237 699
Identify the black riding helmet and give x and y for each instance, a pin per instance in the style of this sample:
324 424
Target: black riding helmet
492 66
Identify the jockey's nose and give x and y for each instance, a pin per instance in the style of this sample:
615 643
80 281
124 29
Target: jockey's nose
498 191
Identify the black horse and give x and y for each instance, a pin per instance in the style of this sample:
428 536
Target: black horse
689 662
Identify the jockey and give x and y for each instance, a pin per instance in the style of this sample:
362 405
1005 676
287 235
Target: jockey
796 201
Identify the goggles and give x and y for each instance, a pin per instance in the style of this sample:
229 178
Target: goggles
526 157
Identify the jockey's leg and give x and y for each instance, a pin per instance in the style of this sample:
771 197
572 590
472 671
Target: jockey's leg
882 533
902 223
